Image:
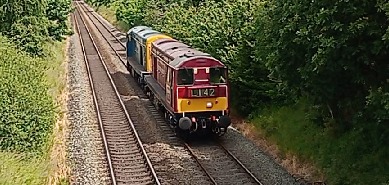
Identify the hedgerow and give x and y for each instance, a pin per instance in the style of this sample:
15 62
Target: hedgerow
27 111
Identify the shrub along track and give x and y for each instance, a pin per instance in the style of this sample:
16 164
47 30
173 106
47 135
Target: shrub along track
127 159
203 163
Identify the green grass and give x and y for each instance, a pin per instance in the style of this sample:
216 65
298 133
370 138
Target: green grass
109 14
346 159
56 78
55 70
16 169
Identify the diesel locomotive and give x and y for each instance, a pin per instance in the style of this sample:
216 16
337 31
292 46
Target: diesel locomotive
189 86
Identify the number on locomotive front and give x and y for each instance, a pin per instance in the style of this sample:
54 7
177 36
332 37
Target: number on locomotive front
203 92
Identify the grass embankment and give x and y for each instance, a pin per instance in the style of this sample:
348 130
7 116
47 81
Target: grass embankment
32 120
345 159
109 14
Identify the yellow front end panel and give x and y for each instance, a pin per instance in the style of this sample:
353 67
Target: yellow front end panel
149 65
200 104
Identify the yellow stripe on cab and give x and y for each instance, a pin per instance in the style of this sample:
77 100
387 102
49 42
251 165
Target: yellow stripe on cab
202 104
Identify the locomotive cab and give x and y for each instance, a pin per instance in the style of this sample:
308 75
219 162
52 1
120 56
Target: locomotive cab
202 96
191 86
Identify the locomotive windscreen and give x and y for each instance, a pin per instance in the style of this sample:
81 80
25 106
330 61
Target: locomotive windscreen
185 77
218 75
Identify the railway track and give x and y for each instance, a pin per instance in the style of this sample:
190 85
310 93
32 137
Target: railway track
116 44
218 163
233 169
127 159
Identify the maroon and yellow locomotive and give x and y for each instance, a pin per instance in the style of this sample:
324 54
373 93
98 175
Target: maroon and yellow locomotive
190 86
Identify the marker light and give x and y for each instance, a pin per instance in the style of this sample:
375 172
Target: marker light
209 104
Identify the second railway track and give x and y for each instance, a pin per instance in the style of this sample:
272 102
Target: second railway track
107 33
127 160
220 165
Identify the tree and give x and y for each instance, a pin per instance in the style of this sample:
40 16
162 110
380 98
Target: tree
333 52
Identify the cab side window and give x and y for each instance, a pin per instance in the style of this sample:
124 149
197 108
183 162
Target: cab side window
185 77
218 75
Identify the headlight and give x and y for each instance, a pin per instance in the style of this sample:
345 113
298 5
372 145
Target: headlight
209 104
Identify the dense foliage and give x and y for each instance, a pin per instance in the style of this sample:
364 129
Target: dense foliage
57 13
337 55
30 23
337 60
27 111
334 54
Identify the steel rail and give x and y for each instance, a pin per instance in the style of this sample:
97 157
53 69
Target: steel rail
199 163
229 154
112 174
105 26
241 164
105 38
118 96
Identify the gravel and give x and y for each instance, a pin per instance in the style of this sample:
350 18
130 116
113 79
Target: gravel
85 150
260 164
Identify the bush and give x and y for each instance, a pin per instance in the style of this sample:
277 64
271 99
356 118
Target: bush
31 23
57 13
30 33
311 48
26 110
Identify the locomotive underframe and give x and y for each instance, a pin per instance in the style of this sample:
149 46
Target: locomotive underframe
201 122
215 122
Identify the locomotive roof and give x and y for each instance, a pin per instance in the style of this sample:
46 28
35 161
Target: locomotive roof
137 29
186 55
160 41
170 48
189 52
168 44
146 33
179 52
